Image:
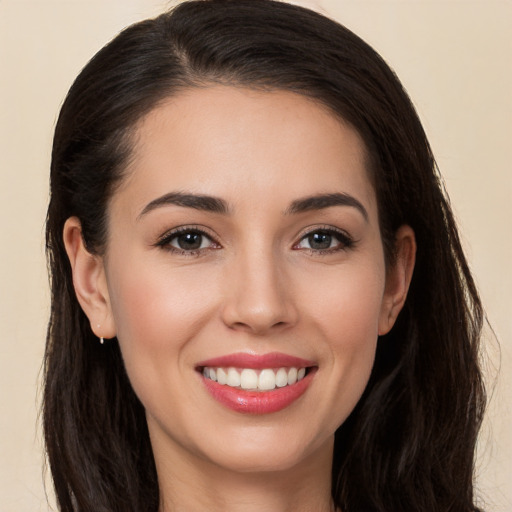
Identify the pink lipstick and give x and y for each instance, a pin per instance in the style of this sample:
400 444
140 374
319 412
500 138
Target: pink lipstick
257 384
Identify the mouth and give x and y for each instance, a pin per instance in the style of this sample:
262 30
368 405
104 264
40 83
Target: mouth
265 379
257 384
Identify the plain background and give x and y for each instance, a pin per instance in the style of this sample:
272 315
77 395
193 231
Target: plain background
454 58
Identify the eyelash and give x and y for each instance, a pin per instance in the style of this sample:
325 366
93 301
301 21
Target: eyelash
345 240
165 240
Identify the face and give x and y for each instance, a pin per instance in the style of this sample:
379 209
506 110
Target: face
245 277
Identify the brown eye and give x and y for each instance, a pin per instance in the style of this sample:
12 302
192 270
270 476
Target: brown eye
190 241
187 240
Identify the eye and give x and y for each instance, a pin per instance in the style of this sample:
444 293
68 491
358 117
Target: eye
191 241
187 240
326 240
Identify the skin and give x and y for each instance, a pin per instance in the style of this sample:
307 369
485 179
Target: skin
256 285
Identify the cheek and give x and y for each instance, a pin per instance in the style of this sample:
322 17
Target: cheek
349 306
346 316
156 311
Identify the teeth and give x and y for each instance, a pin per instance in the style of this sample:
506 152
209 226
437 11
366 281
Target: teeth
282 377
266 380
222 376
233 379
292 376
248 379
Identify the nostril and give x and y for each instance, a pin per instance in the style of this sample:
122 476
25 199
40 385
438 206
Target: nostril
257 327
254 309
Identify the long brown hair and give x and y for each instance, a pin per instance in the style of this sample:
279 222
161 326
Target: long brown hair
409 444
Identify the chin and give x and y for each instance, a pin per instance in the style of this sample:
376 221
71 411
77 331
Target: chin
263 455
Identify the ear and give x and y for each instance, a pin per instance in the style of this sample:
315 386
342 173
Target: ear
398 278
89 280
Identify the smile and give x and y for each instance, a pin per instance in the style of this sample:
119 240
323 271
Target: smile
257 384
266 379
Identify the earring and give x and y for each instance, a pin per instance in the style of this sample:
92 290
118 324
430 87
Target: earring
102 339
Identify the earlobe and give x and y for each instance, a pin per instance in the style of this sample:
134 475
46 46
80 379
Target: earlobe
398 278
89 280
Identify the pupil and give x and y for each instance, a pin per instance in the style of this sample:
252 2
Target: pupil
320 240
190 241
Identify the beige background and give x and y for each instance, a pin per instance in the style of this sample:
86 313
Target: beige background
453 56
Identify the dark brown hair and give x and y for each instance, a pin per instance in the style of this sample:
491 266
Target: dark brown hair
409 444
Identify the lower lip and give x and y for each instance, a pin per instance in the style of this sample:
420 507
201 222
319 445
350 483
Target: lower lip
258 402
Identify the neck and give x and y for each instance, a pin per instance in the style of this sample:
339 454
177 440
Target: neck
194 484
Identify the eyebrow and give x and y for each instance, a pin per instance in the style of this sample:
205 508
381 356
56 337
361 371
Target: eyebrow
216 205
321 201
198 202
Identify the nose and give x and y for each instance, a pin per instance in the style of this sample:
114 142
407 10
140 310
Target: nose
258 295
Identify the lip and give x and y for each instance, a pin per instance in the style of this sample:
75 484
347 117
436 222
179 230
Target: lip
257 361
258 402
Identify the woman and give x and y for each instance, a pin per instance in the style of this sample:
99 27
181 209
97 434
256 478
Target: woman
259 297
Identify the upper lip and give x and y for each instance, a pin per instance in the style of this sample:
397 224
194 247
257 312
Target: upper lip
257 361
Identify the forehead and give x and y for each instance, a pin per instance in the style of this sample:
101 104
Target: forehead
229 141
